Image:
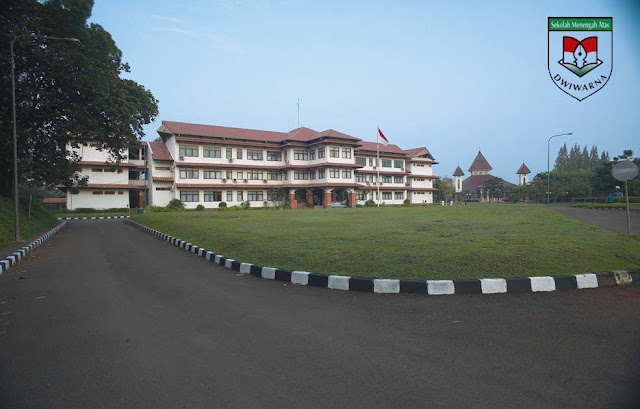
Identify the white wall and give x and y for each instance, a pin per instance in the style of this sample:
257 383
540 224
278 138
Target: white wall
86 199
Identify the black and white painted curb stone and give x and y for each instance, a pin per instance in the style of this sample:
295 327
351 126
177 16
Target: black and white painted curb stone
93 218
431 287
13 259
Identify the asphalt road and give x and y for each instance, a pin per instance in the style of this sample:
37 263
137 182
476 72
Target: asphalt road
612 219
106 316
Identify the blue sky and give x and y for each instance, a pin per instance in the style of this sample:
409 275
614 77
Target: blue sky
451 76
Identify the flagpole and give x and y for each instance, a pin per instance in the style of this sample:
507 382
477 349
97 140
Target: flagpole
378 165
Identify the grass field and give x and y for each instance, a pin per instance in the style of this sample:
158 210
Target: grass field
432 242
39 221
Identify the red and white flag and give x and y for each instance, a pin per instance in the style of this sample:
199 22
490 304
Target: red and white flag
382 139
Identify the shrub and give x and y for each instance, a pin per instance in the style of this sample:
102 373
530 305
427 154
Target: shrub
369 203
246 205
406 202
222 206
200 208
632 199
175 205
156 209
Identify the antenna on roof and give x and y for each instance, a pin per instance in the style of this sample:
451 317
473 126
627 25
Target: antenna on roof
298 112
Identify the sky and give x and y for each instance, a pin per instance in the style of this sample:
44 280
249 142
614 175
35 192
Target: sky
455 77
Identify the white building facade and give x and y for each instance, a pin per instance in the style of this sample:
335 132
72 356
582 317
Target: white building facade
207 165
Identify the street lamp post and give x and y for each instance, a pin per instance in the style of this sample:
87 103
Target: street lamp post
548 160
16 218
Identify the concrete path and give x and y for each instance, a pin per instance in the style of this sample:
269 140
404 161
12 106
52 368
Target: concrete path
612 219
107 316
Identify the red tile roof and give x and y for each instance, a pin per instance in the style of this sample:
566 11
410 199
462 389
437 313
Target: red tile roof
474 182
160 151
183 128
458 172
480 163
54 200
371 146
524 170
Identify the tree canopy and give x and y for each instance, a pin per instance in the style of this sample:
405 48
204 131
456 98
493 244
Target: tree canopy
66 92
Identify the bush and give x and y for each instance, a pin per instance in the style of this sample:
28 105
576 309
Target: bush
246 205
406 202
369 203
156 209
632 199
200 208
175 205
222 206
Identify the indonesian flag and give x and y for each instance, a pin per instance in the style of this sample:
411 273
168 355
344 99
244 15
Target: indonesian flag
382 139
580 53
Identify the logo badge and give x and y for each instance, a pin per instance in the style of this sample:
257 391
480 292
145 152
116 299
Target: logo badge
580 54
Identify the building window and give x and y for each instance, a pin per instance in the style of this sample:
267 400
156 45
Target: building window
134 175
386 163
189 174
212 152
360 178
321 174
239 153
110 192
274 175
229 174
346 153
386 179
398 179
158 188
301 174
360 195
398 195
189 196
346 173
98 192
386 195
212 174
229 196
254 155
274 155
239 174
320 153
239 197
96 170
272 195
334 152
361 161
300 155
163 168
229 154
254 196
370 161
213 196
254 175
189 151
312 154
398 164
334 173
312 174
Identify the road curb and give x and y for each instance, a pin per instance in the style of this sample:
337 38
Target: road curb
12 260
430 287
93 218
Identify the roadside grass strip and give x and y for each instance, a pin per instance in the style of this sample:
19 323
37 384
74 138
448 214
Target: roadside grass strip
93 218
13 259
394 286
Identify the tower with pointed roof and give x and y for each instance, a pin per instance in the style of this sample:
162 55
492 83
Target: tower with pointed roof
480 166
522 174
458 173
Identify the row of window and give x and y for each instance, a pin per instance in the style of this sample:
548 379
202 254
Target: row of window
385 178
385 195
386 163
216 196
256 154
107 192
218 174
334 173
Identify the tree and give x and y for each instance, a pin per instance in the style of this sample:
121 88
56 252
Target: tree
445 187
494 186
66 93
562 161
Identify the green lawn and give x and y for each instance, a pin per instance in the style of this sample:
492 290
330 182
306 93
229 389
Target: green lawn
432 242
40 221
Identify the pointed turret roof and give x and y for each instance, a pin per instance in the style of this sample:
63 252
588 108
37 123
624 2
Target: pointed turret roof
524 170
479 163
458 172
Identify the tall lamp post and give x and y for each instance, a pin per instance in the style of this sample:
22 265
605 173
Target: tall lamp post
16 218
548 160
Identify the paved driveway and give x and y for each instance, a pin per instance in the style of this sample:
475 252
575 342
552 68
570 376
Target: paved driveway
612 219
106 316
